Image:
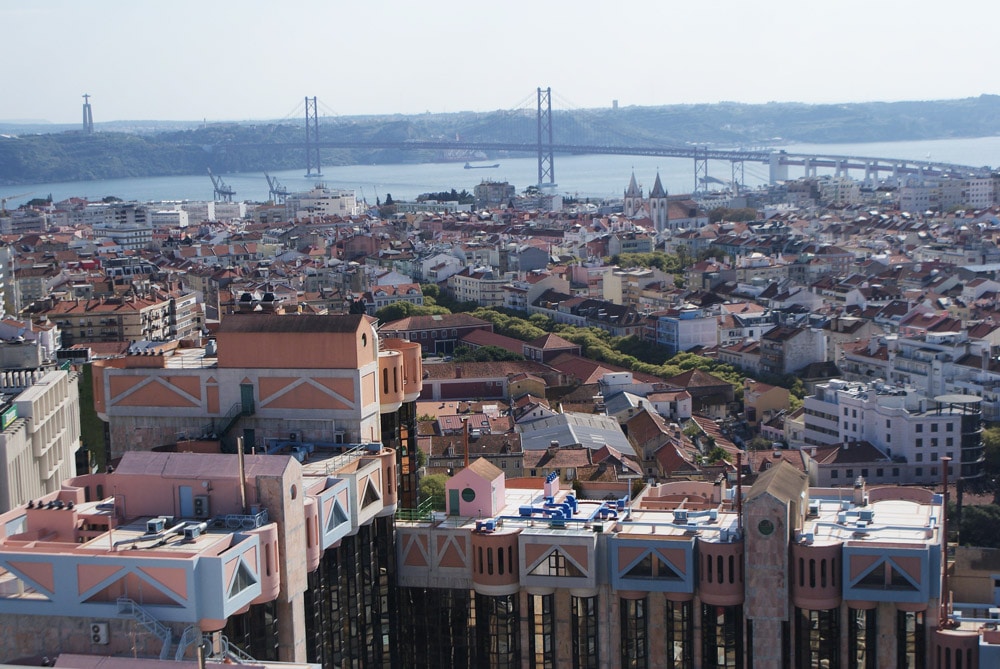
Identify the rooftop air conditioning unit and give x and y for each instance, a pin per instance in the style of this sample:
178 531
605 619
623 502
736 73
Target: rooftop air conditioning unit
99 633
201 506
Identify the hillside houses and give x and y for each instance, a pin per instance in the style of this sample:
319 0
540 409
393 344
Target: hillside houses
821 285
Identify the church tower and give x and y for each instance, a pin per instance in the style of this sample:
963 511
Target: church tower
633 198
659 206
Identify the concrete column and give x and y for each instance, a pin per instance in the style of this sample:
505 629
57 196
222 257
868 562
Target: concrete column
777 172
656 638
562 629
291 629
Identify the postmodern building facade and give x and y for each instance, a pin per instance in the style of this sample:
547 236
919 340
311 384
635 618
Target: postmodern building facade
301 551
335 396
520 575
174 550
268 379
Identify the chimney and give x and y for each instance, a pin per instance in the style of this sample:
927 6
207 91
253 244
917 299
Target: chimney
859 492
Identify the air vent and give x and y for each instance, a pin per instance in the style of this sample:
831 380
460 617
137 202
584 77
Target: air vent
99 633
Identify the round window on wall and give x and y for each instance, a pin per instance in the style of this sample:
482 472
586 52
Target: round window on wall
469 495
765 527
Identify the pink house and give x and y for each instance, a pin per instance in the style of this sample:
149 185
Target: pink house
476 491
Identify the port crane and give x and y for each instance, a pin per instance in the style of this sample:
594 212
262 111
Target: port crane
223 193
275 189
3 201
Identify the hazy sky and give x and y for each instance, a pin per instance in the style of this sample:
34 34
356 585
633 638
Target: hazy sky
257 59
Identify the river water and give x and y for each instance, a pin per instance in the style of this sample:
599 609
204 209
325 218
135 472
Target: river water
580 176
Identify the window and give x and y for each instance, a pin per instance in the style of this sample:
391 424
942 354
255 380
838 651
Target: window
722 636
817 636
850 473
888 437
934 427
920 457
919 443
920 427
895 471
584 629
910 640
861 639
854 413
950 427
541 649
864 473
845 411
888 423
834 474
633 633
949 442
934 442
497 630
919 471
680 635
933 457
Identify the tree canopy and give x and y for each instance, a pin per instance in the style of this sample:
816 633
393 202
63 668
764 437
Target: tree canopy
464 197
398 310
432 487
735 215
485 354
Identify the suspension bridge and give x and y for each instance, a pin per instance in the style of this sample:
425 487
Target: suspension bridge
532 131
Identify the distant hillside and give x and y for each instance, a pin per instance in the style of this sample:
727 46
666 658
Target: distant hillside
36 153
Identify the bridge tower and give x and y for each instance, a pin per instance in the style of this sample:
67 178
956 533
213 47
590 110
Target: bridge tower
737 179
700 170
88 115
312 139
778 170
546 168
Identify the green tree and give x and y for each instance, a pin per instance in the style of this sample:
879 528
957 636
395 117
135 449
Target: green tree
398 310
715 454
979 523
485 354
432 487
742 214
991 448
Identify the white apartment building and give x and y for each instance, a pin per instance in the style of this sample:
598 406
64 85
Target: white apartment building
321 201
912 430
39 434
482 285
131 237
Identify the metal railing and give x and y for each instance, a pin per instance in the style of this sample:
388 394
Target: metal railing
421 513
232 416
127 606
